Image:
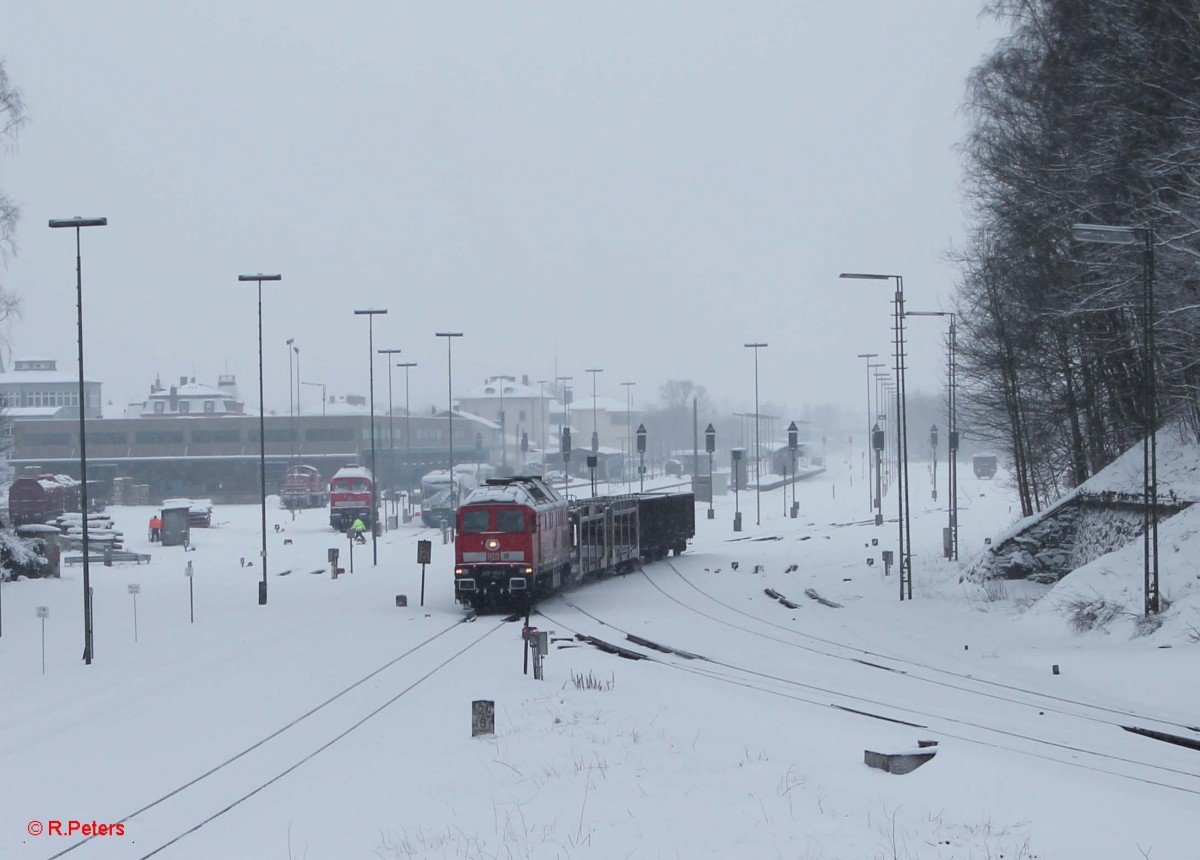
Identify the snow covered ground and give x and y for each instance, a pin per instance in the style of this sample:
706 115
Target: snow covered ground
332 723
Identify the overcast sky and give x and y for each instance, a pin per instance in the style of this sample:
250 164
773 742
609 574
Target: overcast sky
642 187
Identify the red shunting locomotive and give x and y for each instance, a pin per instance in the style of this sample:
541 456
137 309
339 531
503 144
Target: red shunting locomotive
513 539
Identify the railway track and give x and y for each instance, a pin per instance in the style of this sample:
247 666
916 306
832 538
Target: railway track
1074 733
229 783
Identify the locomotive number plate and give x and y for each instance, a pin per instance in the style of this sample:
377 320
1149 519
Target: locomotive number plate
493 556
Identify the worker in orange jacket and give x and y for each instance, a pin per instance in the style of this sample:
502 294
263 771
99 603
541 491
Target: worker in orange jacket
155 528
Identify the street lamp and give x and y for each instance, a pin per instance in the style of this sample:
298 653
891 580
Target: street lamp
296 350
868 356
262 434
370 314
710 445
78 223
905 553
595 435
757 443
1129 236
291 408
449 336
407 436
320 385
391 424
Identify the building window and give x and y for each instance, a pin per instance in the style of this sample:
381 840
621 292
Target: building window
158 407
210 406
184 407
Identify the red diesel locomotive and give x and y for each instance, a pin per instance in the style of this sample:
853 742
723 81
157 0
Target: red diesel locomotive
518 540
351 497
514 536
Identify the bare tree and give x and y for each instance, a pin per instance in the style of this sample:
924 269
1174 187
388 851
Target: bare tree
12 117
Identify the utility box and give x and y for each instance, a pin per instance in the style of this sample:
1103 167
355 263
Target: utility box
176 526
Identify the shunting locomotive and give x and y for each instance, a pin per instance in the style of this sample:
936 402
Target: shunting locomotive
519 540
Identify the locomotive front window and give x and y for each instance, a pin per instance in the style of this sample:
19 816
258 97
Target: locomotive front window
510 521
475 521
361 486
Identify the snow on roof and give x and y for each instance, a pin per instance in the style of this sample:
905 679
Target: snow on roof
458 413
491 388
193 389
35 411
39 376
527 491
353 471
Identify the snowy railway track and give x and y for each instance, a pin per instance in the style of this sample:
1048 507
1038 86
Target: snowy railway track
946 678
231 782
1113 755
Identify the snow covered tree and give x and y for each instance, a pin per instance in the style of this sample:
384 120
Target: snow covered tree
12 116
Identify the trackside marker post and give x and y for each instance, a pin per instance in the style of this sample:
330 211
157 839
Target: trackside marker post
134 588
43 612
191 597
424 554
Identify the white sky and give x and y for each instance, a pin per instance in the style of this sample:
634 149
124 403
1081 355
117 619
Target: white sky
559 183
751 753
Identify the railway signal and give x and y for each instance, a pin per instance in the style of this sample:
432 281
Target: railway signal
641 446
710 445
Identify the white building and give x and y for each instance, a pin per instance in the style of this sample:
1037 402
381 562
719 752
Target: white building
189 398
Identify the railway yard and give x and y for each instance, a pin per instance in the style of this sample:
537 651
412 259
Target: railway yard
717 703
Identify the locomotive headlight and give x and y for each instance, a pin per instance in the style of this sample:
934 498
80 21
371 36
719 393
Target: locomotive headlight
491 544
529 570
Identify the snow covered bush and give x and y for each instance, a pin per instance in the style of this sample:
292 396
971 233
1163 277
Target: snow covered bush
20 557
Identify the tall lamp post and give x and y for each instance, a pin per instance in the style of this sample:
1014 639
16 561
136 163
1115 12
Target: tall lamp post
1112 235
905 553
78 223
262 435
407 436
320 385
868 356
710 445
296 350
391 424
370 314
757 446
291 395
449 336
